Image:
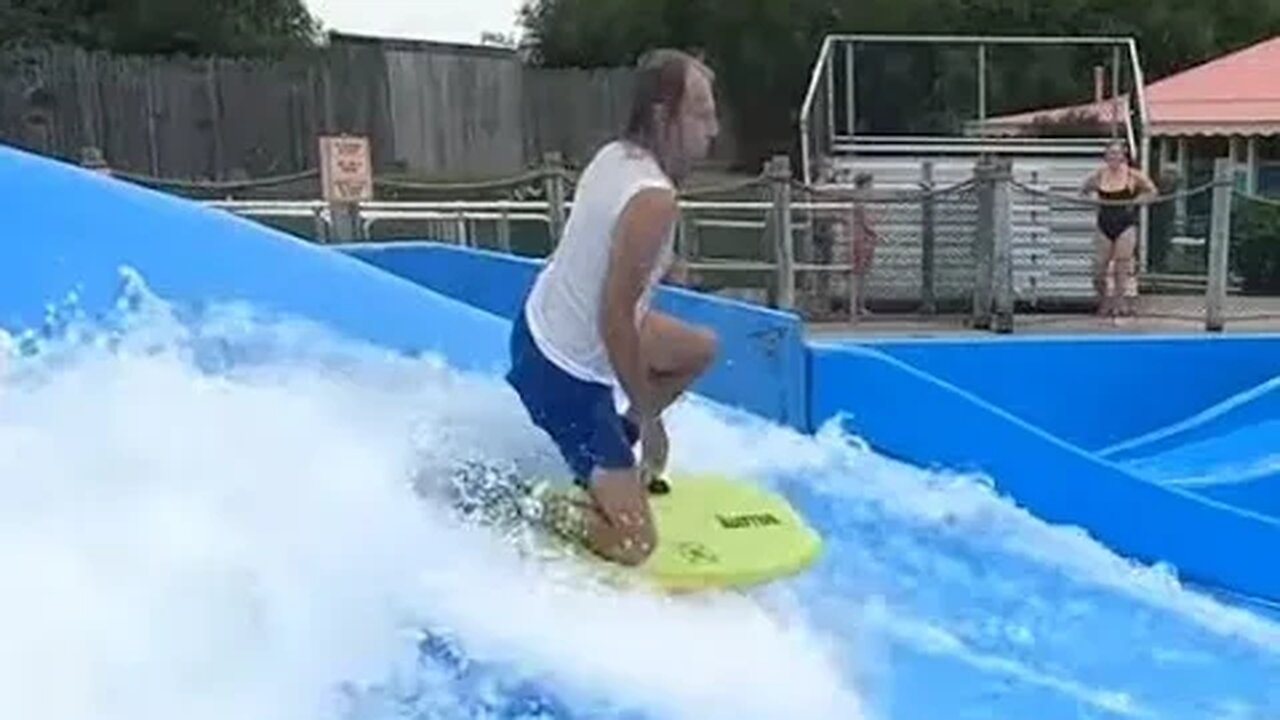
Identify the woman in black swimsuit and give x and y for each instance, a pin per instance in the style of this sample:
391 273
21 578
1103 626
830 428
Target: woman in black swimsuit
1119 186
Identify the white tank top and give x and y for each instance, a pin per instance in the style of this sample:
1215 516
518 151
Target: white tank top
564 306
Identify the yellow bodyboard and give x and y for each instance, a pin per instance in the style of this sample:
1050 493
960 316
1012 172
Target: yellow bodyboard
713 533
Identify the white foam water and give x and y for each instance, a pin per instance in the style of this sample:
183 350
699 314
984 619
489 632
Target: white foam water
941 566
182 535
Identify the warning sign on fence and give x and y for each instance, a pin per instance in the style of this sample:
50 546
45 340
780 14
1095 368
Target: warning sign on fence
346 169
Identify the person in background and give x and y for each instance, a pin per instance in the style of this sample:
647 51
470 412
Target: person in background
862 243
827 229
1119 187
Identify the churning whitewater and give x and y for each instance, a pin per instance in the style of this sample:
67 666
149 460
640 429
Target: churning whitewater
224 515
218 513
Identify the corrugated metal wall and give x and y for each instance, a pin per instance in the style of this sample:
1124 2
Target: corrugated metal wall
1052 238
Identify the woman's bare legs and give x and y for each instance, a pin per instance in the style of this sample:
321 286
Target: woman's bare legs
1122 262
1103 257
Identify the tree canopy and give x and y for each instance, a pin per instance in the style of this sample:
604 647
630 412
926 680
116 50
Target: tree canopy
194 27
763 50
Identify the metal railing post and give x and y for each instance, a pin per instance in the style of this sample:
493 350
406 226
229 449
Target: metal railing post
1219 245
983 243
1002 266
928 240
555 192
780 179
345 224
504 231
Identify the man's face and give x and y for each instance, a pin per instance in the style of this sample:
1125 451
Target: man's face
689 135
698 122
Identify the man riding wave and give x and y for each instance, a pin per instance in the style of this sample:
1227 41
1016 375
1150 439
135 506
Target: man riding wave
587 325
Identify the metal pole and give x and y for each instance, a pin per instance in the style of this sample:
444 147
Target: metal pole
1219 245
504 231
855 290
780 175
983 245
987 39
1114 95
849 88
345 222
982 81
555 195
1003 240
928 236
1144 155
830 71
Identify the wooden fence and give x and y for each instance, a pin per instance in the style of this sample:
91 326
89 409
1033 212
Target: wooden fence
429 109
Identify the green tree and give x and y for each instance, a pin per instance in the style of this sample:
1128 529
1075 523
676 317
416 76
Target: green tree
195 27
763 50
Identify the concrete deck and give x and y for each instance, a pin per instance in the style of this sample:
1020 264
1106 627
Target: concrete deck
1160 314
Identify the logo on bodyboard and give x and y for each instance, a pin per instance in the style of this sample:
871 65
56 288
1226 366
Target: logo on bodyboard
695 553
749 520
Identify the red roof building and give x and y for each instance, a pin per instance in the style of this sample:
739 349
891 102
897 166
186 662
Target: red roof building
1226 107
1236 94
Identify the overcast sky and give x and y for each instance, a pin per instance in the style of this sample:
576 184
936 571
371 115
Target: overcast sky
448 20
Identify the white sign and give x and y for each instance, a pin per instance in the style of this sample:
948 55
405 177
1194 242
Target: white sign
346 169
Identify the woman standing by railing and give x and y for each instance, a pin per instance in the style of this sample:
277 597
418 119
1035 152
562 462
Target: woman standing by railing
1119 187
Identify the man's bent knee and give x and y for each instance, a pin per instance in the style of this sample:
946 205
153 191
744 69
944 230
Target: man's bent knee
707 347
676 347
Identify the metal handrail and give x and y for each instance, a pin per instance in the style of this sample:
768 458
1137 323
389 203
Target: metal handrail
266 204
806 108
823 67
279 212
1144 150
451 205
499 209
984 146
943 139
779 220
443 215
984 39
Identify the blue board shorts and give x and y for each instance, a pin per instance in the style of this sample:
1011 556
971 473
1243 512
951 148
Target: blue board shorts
580 416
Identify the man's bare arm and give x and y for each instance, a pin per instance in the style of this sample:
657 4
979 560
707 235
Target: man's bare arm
1090 184
642 229
1149 190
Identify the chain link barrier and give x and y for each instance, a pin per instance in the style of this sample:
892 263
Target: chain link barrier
892 249
1169 277
1253 289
